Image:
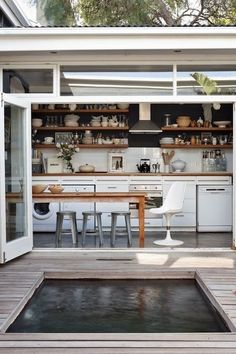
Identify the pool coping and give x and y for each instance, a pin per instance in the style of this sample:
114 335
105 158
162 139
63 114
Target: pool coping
217 285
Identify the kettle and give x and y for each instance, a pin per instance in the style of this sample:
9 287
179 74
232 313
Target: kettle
144 166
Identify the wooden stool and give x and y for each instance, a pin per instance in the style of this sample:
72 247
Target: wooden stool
98 216
59 228
114 216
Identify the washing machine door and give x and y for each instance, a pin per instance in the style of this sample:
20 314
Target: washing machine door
42 211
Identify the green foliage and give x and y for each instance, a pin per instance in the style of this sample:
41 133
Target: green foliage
114 12
57 12
209 86
138 12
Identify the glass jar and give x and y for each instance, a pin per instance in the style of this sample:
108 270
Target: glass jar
167 119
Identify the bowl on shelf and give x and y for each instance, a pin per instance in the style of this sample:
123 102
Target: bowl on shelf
178 165
37 122
86 168
183 121
123 105
56 188
39 188
71 124
222 123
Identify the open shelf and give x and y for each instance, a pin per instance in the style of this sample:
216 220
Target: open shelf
80 111
196 146
68 129
196 129
84 146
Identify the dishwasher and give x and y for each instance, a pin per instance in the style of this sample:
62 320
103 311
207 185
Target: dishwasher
214 208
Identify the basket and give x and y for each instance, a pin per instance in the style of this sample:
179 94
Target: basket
183 121
56 188
39 188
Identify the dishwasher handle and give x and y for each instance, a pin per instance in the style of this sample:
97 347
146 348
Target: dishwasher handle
215 189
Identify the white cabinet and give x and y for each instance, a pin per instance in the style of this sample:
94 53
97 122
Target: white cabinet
113 185
186 219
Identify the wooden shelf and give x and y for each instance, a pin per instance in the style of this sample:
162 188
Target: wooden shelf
195 129
66 129
201 146
80 111
84 146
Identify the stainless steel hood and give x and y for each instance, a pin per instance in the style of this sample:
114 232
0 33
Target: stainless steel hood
145 125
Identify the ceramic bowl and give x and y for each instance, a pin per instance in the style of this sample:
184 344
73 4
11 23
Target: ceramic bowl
37 122
123 105
87 168
39 188
183 121
178 165
56 188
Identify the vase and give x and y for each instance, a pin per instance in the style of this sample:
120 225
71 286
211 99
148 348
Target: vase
67 167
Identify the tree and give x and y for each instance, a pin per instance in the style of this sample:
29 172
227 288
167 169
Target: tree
157 12
55 12
138 12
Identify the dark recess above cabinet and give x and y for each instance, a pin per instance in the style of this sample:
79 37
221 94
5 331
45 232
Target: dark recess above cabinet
157 115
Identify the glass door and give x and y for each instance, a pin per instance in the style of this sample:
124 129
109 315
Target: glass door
15 178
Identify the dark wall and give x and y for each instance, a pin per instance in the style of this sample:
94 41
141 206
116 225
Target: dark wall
157 113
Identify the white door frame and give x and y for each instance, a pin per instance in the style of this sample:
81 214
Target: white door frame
17 247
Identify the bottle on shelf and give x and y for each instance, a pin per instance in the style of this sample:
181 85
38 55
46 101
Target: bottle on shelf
223 162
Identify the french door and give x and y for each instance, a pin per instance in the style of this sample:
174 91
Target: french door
15 178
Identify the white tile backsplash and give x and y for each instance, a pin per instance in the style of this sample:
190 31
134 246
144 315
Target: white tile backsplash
99 158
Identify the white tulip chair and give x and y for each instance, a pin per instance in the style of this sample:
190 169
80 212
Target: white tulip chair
173 204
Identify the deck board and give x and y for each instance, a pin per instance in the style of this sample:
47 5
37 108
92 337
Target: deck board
19 278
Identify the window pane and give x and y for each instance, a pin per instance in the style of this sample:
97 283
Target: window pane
15 172
223 75
116 80
28 81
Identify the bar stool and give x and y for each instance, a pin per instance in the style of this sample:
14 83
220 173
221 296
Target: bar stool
114 216
59 226
98 216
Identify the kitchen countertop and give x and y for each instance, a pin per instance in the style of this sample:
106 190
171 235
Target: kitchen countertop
136 174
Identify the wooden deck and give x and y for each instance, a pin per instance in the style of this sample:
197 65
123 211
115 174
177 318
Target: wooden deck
215 271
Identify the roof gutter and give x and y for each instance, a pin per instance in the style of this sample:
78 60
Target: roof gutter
145 125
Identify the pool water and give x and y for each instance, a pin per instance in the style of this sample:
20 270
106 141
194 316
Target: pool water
118 306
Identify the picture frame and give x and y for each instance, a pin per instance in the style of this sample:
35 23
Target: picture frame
116 162
63 137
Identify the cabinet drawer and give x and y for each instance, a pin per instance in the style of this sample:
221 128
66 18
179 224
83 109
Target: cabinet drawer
112 188
189 206
183 219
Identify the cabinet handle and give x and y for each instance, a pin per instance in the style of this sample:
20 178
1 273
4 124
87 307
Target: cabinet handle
179 215
110 187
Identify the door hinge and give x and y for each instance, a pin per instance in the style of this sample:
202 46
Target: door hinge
4 257
2 99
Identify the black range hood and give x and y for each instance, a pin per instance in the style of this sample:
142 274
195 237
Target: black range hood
145 125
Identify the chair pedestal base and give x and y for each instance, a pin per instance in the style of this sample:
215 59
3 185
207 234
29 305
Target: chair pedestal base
168 242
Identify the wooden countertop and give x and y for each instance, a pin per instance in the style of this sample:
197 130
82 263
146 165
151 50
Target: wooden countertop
135 174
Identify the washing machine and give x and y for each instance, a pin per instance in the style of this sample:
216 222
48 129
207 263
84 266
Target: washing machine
44 217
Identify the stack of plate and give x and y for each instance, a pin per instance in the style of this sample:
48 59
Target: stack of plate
88 137
71 120
167 140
